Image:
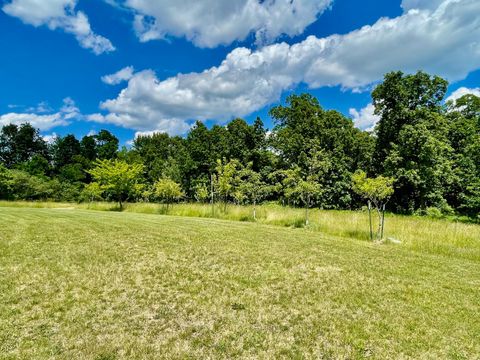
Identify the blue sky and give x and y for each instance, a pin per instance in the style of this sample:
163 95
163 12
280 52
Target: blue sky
240 57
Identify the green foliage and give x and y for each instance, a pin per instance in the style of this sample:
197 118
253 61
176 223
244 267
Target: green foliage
18 144
304 127
226 178
64 149
118 179
92 192
202 193
403 100
167 190
22 185
106 145
432 150
37 165
378 190
4 186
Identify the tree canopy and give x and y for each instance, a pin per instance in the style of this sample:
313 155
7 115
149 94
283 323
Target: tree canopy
430 148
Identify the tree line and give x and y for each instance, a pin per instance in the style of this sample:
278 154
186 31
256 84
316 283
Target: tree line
426 150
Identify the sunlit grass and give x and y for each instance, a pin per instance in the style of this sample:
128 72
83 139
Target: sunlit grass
77 284
436 236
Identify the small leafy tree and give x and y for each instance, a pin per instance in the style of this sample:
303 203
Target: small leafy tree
226 178
377 191
118 179
304 184
252 187
201 192
306 189
167 191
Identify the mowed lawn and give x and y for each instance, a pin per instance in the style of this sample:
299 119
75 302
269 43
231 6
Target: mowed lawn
78 284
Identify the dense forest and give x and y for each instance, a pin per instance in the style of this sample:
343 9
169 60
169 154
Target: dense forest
430 149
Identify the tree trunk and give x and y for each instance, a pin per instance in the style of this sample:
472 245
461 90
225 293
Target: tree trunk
306 211
254 210
379 232
370 219
211 195
383 221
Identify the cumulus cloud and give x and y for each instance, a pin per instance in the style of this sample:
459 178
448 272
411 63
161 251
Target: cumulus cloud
59 14
44 122
420 4
442 41
365 118
457 94
209 23
120 76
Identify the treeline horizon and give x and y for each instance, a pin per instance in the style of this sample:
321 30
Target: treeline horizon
430 150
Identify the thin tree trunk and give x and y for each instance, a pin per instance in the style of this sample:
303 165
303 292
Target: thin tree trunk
383 221
211 194
370 219
306 212
255 210
379 231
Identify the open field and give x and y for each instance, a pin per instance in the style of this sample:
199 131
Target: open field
77 284
423 234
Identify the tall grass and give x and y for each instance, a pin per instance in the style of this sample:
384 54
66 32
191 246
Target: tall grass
435 236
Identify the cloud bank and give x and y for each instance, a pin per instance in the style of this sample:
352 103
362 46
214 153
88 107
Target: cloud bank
442 41
59 14
209 23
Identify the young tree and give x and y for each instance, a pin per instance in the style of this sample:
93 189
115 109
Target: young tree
377 191
201 192
252 187
118 179
226 178
304 188
167 191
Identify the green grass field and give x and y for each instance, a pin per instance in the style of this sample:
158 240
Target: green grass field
83 284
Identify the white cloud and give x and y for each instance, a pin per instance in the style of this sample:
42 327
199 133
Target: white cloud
44 122
120 76
443 42
209 23
143 133
457 94
42 107
50 138
365 118
420 4
59 14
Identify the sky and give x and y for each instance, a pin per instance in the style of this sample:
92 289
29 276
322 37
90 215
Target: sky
141 66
